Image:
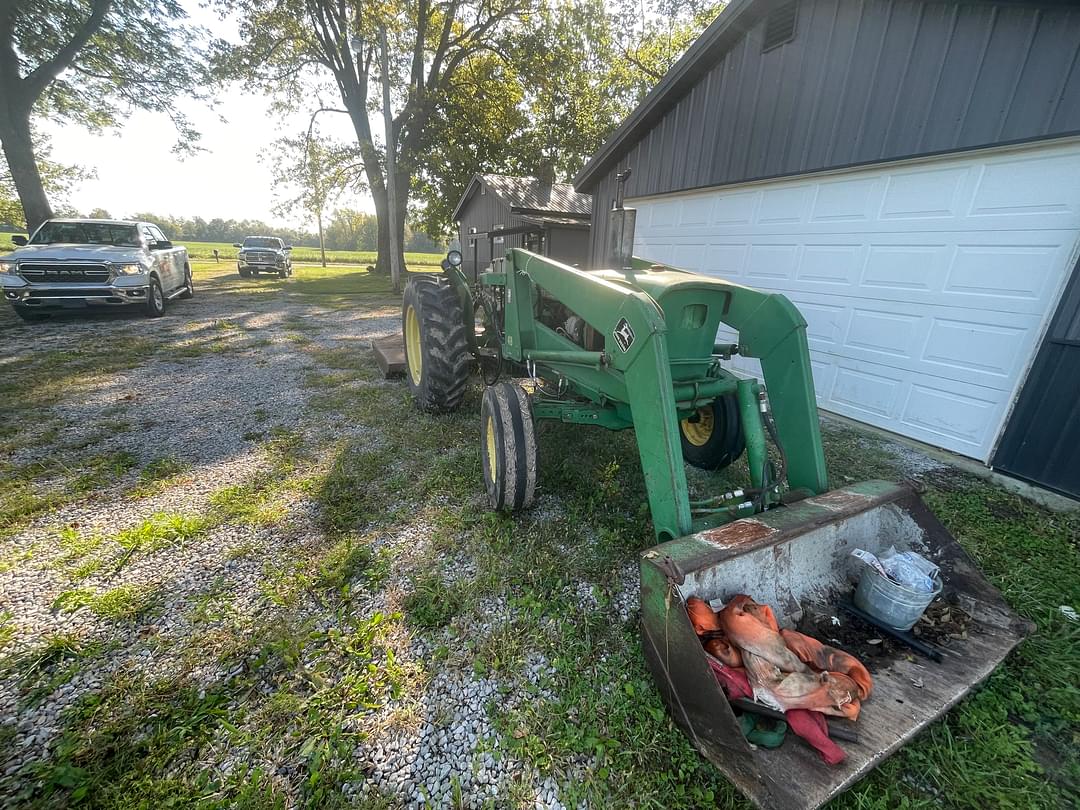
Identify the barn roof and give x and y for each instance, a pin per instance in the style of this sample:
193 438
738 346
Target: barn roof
530 195
737 17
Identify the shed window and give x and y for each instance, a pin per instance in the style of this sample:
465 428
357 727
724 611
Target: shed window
780 26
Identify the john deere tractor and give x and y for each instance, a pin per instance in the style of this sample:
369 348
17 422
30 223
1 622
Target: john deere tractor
633 346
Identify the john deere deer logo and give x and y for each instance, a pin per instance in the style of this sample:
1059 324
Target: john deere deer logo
624 335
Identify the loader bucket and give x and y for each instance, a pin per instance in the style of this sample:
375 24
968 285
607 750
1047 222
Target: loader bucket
798 560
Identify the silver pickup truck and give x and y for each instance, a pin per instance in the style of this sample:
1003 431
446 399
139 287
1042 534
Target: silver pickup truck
86 262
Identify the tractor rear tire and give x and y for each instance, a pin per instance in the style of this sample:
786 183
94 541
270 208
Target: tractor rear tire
508 447
714 438
437 357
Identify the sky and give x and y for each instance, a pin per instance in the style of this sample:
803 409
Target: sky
137 171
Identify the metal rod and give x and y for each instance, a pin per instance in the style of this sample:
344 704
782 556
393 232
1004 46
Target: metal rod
575 358
703 389
750 416
903 636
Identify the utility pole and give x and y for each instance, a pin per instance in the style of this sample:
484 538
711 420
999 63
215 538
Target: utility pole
391 166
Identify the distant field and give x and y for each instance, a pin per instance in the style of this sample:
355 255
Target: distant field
334 280
205 250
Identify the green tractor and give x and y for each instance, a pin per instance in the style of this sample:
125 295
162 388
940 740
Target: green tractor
634 347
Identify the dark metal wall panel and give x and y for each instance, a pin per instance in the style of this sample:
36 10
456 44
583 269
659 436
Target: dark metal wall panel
484 212
862 81
568 245
1042 440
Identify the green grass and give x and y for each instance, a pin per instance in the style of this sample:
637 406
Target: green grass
226 252
324 282
125 603
301 253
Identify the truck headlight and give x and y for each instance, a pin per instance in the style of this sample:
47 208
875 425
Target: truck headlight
129 269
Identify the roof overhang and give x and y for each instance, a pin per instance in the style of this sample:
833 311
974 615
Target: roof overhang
476 181
738 17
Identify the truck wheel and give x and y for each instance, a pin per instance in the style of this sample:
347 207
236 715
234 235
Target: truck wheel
243 271
713 437
155 299
282 273
28 314
508 447
437 356
189 284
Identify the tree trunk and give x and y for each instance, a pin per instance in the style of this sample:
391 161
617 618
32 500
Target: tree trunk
322 242
382 220
394 224
22 163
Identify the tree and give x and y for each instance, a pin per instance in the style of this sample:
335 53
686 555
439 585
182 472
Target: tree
90 62
316 170
577 69
351 230
57 179
294 44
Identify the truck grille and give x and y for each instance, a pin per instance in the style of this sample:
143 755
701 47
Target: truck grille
65 273
261 258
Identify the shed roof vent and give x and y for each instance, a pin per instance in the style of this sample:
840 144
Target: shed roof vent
780 26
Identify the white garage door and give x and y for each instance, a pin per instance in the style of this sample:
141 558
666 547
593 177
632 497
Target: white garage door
925 284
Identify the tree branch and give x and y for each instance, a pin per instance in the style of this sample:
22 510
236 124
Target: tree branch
39 78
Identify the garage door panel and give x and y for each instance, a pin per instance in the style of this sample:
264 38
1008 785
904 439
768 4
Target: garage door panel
864 391
1028 187
845 200
945 417
926 194
731 257
830 264
924 285
1012 271
982 348
892 333
772 262
894 270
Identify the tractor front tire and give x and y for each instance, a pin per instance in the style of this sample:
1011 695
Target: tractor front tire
713 438
508 447
437 357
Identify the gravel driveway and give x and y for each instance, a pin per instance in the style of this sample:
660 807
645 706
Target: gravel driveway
222 379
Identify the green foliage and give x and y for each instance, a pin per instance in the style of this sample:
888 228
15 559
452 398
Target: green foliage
125 603
138 53
56 178
432 603
161 530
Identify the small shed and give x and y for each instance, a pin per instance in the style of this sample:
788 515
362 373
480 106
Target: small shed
498 212
907 172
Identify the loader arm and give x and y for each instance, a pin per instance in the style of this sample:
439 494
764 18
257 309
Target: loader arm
634 372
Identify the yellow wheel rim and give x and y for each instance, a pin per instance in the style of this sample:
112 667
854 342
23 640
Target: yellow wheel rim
412 345
699 432
490 436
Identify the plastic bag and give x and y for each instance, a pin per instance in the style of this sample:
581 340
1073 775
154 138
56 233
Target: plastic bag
903 567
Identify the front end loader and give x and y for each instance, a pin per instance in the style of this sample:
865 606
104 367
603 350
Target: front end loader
634 347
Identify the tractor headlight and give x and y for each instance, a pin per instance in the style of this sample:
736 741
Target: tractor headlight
454 258
129 269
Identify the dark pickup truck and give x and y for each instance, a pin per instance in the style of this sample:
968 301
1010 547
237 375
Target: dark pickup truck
263 254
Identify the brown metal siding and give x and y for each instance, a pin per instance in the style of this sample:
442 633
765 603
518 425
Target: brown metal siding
862 81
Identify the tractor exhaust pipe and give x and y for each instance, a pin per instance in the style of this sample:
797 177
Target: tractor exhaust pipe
621 222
